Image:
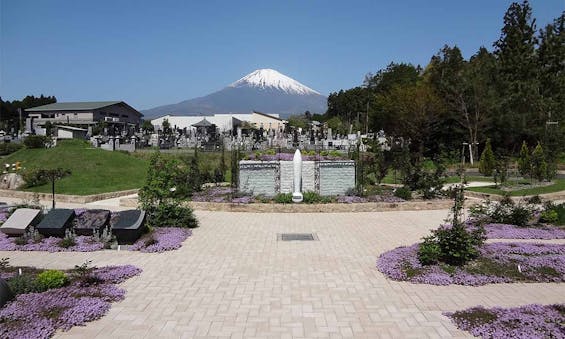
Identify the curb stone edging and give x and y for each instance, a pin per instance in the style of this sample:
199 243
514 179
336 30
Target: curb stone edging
311 208
66 198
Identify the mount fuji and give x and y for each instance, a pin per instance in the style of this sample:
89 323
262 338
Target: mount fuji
264 90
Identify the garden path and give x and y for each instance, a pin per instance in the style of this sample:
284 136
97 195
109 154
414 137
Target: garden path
233 279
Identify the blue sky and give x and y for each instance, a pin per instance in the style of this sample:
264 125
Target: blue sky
150 53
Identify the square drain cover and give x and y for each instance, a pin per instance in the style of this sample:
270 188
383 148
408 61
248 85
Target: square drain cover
297 237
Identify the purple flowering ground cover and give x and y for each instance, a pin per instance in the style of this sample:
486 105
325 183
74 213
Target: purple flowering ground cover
506 231
86 298
220 194
161 239
290 157
50 244
497 263
527 322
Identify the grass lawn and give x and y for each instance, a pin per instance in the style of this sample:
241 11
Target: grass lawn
456 179
389 179
93 170
558 185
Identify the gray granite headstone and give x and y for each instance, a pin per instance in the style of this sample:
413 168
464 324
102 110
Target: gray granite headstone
20 220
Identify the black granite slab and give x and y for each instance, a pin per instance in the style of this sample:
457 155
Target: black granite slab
91 221
128 225
56 222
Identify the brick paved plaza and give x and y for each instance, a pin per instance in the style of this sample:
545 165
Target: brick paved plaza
233 279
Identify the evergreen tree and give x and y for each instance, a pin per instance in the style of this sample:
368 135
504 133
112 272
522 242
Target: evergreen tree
524 164
446 74
539 165
393 75
487 163
382 164
551 53
194 175
518 84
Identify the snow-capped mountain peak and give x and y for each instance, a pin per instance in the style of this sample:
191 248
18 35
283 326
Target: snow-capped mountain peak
270 78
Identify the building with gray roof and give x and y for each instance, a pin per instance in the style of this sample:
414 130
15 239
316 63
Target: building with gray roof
115 115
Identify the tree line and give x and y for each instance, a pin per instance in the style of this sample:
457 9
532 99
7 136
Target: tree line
512 94
9 114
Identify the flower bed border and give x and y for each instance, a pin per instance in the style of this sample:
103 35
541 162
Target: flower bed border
534 320
73 305
402 264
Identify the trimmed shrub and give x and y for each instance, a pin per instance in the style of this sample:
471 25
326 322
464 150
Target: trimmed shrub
33 177
538 163
452 245
549 216
429 251
524 165
487 162
553 214
51 279
9 148
171 214
403 193
21 284
36 141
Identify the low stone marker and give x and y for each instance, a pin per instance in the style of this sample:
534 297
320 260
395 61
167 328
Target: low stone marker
128 225
20 220
56 222
91 221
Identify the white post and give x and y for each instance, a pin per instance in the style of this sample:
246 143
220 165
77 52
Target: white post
471 153
297 162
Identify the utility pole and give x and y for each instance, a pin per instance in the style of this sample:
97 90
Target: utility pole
20 113
367 119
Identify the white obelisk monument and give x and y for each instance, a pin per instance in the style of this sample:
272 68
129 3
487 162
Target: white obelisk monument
297 162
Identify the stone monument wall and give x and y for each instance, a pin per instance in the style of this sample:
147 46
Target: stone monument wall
287 178
259 177
308 176
328 177
336 177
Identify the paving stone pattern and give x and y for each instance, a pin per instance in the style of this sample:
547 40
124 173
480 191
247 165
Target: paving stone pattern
233 279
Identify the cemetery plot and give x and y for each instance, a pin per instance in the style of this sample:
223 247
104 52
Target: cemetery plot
128 225
56 222
91 221
20 220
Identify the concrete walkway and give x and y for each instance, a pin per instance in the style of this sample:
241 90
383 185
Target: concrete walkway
233 279
109 204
